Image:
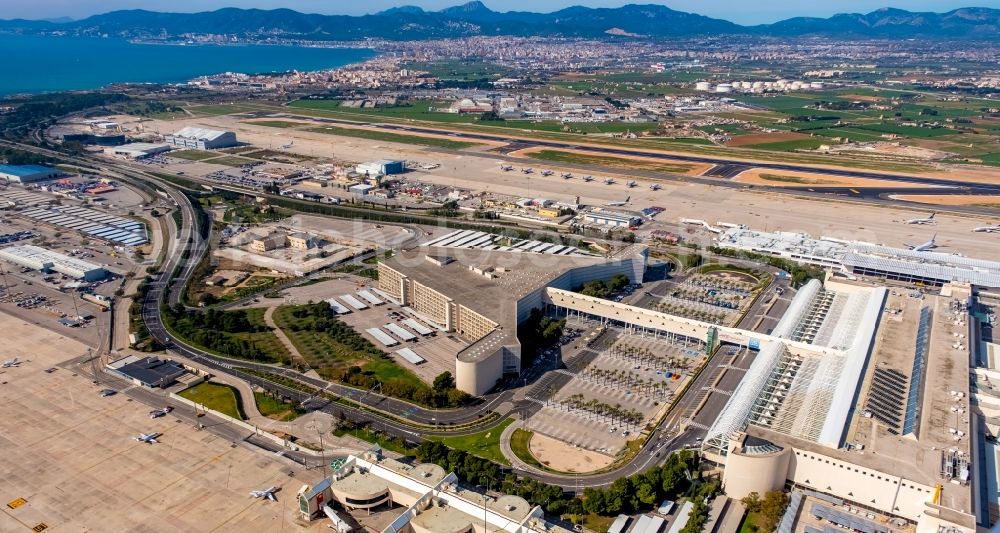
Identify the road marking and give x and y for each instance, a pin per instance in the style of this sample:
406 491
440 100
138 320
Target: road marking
14 504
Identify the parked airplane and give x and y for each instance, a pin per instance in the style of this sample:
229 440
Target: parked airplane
929 245
655 187
10 363
609 181
528 170
266 494
623 202
506 168
988 229
148 438
287 146
547 173
631 184
922 221
588 178
566 175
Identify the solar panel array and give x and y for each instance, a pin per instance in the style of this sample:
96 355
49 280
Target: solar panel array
479 240
916 376
91 222
846 520
885 398
787 523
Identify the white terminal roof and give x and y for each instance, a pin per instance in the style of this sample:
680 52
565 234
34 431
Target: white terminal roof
202 134
802 394
863 256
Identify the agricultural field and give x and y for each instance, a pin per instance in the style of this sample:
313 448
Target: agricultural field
332 347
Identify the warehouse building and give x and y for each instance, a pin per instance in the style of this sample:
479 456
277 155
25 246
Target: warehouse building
201 138
482 295
414 498
26 173
36 258
608 217
116 139
136 150
382 167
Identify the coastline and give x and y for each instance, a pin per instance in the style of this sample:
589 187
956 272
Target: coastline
50 64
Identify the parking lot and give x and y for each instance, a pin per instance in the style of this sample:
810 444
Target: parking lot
718 297
611 395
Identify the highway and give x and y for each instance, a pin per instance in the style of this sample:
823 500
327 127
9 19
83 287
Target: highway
662 440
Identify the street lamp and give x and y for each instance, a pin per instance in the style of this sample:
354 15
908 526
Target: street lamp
487 479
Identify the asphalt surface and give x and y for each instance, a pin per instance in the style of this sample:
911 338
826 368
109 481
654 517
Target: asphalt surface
664 437
728 165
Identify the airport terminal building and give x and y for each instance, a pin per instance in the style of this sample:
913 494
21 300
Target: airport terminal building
413 498
481 295
927 268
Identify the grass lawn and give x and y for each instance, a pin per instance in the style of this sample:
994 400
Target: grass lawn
265 340
367 435
219 109
193 155
231 161
485 444
392 137
749 523
519 444
217 397
278 123
277 409
596 522
615 162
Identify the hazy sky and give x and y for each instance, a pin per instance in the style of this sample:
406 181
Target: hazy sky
741 11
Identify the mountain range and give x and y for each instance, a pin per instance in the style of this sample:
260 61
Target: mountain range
475 18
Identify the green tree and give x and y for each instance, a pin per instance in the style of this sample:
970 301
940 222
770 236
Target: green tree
772 507
444 381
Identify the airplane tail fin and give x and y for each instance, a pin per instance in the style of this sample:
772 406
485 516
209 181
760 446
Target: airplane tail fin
627 198
932 215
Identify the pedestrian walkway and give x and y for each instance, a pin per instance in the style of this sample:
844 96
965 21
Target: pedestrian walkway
292 350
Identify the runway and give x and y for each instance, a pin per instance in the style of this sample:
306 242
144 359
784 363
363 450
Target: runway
723 167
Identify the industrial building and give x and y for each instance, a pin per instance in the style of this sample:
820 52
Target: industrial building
35 258
151 372
614 218
927 268
201 138
482 295
382 167
137 150
95 139
417 498
27 173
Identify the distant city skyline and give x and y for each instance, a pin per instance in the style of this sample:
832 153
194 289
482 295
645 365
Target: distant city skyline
738 11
